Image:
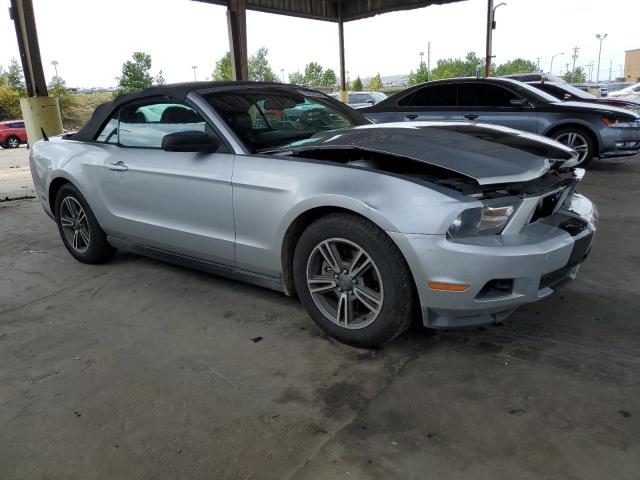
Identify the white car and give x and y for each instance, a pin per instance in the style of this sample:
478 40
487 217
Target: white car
362 99
631 91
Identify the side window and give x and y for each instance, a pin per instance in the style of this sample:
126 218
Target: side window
145 125
109 133
432 96
485 95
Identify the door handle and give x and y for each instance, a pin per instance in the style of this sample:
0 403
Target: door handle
412 116
118 166
471 116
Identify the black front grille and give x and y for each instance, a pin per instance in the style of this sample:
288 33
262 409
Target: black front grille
546 206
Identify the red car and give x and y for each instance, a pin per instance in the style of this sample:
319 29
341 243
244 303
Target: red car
12 133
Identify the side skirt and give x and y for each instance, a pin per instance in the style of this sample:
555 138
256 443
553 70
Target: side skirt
234 273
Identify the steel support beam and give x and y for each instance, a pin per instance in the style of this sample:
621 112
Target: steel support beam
237 26
343 77
21 12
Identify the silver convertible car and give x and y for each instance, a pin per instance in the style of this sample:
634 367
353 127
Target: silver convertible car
369 225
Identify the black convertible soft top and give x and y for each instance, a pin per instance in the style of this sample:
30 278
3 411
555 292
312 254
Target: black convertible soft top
177 91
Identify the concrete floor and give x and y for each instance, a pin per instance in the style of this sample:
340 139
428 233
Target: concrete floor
138 369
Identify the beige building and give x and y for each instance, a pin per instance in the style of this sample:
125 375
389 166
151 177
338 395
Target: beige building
632 65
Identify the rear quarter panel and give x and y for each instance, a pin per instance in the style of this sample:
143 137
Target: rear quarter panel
78 162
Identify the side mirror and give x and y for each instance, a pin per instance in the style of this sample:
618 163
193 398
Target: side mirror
566 96
370 101
518 102
189 141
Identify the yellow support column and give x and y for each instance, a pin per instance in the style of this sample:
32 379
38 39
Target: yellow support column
41 114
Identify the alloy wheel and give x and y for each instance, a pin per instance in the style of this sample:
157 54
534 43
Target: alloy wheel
345 283
75 225
576 141
13 142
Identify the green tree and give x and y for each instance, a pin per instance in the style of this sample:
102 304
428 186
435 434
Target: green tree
313 74
451 68
135 74
375 83
57 88
160 80
421 75
14 78
356 85
296 78
9 103
329 78
259 68
518 65
222 70
577 76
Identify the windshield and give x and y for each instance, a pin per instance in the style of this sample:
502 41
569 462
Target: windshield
532 93
267 118
576 92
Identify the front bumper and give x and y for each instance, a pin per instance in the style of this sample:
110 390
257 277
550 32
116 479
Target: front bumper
524 267
619 142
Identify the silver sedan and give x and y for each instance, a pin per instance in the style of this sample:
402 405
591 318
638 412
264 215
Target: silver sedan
371 226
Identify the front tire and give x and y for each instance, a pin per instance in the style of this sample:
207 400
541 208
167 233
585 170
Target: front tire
353 281
578 139
12 142
79 229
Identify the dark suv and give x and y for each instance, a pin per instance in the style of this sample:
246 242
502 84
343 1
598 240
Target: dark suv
592 130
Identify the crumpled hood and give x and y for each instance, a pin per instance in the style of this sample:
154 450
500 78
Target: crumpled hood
489 154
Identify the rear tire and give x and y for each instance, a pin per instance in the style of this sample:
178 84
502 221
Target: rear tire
12 142
580 140
363 292
79 229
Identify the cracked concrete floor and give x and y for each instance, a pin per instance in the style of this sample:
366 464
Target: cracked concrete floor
138 369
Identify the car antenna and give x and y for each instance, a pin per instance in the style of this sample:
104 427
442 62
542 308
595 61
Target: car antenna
44 135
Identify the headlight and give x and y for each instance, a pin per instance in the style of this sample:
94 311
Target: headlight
489 219
618 124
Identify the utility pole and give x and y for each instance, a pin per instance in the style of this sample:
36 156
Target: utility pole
421 55
538 59
601 38
575 57
194 72
428 60
282 73
491 26
55 66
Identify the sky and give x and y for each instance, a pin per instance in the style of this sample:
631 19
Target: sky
91 39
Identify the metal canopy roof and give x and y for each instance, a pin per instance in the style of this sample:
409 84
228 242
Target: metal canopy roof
329 10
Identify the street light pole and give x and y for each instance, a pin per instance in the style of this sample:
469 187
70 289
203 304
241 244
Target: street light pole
601 38
491 26
55 66
194 72
552 57
428 60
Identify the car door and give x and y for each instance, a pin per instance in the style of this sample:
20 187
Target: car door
175 201
431 102
489 103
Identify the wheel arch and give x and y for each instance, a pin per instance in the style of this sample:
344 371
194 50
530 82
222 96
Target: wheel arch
576 124
298 225
54 187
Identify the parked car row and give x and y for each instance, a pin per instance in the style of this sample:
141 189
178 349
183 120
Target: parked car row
12 133
594 129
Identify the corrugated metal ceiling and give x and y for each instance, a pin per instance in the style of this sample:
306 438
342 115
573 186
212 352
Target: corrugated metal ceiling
328 10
